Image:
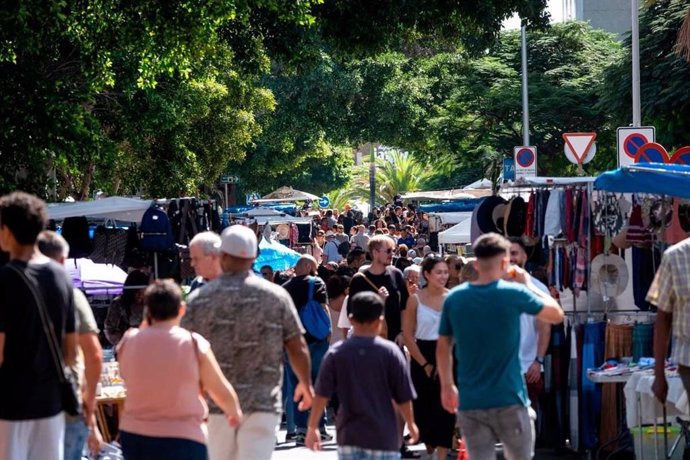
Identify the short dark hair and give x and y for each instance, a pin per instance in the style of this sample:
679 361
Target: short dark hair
337 285
25 215
365 307
163 299
491 245
519 241
266 266
354 253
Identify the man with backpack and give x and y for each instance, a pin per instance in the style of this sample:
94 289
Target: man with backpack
330 249
308 293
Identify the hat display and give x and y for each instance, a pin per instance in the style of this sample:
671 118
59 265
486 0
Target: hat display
606 216
515 217
239 241
498 216
485 214
609 275
283 231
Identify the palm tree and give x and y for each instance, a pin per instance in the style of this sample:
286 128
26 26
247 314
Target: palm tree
397 173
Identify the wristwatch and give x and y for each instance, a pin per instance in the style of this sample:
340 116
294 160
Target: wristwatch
540 360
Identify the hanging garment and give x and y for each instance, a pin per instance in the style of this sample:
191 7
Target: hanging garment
574 391
580 271
529 222
637 233
569 215
584 230
552 215
592 357
619 340
642 341
645 261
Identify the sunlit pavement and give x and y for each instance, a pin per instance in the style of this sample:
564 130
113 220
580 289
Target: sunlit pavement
285 451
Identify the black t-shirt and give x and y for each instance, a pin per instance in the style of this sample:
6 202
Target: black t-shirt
29 385
391 279
298 288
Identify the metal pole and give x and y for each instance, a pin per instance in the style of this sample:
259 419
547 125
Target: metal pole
525 97
227 204
372 178
635 39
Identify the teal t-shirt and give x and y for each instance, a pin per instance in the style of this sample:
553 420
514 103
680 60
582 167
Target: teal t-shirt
484 321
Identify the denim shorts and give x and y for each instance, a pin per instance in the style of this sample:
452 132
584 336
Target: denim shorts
359 453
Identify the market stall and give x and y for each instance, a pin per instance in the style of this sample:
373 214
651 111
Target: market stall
642 214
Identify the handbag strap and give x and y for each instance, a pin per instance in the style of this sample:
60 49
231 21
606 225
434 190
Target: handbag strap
312 281
198 360
366 278
48 329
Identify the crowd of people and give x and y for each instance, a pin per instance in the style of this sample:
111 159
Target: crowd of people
383 362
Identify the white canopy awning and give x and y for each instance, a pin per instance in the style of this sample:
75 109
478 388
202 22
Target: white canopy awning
457 234
450 218
439 195
113 207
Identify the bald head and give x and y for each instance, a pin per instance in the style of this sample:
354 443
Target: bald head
306 265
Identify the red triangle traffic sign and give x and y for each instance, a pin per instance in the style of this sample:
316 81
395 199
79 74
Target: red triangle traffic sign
579 144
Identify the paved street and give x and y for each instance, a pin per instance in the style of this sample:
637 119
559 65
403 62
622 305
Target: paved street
288 451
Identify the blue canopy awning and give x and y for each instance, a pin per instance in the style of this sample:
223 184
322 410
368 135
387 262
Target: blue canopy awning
653 178
276 255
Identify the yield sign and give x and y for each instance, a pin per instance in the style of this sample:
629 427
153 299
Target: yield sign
579 145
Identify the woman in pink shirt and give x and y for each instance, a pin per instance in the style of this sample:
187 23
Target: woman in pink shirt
166 370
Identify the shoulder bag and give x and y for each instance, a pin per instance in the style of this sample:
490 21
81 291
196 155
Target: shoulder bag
384 325
69 387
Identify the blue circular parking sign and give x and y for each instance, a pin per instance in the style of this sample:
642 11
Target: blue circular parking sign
632 144
324 202
525 158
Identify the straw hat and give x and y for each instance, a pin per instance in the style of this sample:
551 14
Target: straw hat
609 275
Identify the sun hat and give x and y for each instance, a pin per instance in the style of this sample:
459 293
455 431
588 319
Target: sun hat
485 214
239 241
609 275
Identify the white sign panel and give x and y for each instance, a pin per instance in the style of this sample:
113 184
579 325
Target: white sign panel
630 139
525 161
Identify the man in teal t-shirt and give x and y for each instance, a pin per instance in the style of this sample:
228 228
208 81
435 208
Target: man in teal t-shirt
483 319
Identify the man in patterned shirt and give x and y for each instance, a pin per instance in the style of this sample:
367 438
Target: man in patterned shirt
249 322
670 292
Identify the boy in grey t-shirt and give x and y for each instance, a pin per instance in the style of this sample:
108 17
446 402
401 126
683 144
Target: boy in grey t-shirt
366 372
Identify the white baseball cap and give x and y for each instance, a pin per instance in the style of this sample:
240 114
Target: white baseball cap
239 241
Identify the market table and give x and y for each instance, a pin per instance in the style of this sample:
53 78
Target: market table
642 407
110 397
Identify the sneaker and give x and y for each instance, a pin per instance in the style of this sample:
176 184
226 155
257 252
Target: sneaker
405 452
325 436
289 437
299 439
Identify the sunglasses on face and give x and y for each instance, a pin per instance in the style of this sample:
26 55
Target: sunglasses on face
387 251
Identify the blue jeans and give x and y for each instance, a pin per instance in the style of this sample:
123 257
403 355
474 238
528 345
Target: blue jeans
76 433
317 350
138 447
288 394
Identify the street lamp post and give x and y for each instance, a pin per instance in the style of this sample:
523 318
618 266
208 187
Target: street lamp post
525 94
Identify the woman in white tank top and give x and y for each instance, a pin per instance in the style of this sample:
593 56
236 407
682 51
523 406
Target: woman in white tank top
420 331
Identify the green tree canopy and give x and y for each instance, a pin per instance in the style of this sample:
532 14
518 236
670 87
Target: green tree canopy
664 77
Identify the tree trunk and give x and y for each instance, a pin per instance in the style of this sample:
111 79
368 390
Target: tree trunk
86 182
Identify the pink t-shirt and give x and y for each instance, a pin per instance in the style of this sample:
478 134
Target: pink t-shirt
161 372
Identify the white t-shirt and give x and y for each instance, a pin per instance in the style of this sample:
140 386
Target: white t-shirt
528 334
343 320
